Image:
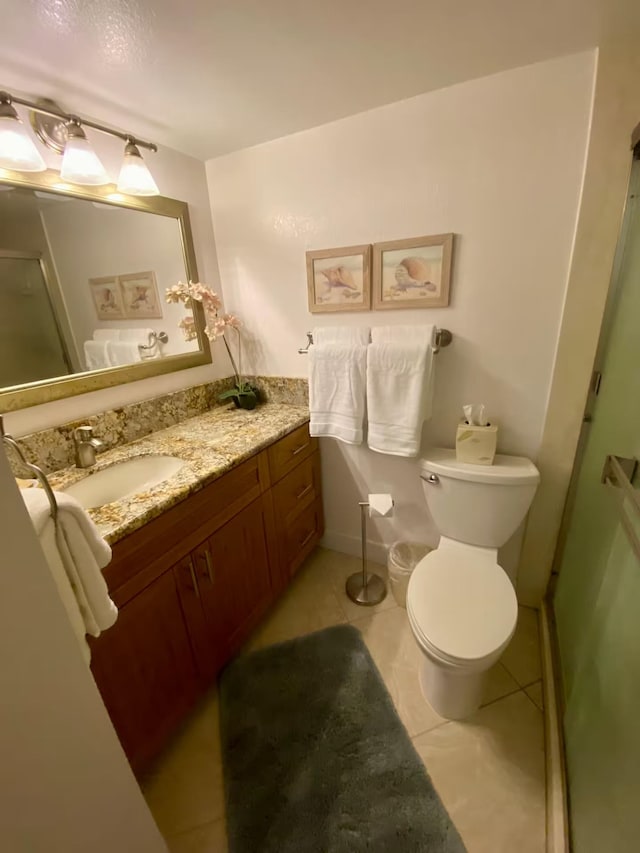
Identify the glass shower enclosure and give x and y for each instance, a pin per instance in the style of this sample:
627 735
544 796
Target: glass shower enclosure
596 603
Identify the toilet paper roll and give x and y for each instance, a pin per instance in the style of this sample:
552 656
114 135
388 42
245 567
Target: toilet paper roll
380 505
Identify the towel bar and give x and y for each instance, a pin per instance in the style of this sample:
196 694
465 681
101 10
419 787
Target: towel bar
443 339
10 441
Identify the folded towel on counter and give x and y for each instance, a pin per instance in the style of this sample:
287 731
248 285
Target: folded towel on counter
96 354
400 377
76 554
337 381
123 352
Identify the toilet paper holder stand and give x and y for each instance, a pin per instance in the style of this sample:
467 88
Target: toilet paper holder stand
364 588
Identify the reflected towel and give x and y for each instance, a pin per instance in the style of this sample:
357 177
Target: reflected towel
96 355
106 334
400 377
123 352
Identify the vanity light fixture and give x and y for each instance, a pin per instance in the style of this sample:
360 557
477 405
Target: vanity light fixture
65 134
80 163
17 149
135 178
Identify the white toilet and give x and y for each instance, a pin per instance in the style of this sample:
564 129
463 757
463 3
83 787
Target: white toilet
461 605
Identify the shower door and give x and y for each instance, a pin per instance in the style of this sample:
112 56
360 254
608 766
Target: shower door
597 598
31 344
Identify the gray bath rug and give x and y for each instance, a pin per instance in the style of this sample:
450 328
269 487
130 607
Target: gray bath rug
316 759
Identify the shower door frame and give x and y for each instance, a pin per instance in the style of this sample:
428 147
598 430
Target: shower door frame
557 791
55 299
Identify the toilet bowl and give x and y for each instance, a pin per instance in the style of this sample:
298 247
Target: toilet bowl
461 605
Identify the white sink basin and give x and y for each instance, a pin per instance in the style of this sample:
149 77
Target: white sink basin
123 479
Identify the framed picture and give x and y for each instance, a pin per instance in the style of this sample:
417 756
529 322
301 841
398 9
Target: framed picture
412 273
107 298
140 295
339 279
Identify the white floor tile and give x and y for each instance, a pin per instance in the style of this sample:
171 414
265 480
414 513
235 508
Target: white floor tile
489 772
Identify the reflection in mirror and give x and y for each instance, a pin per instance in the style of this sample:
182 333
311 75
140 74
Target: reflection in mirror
82 286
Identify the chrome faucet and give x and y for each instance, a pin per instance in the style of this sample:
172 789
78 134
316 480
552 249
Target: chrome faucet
86 446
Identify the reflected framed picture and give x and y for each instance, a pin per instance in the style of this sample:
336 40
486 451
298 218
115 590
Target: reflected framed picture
140 296
339 279
107 298
414 273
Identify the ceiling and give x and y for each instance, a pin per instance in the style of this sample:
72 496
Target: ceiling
211 76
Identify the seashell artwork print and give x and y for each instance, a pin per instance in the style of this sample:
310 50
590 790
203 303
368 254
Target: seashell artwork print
337 281
412 273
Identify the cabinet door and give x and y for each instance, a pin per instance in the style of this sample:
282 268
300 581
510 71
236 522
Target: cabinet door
145 670
234 581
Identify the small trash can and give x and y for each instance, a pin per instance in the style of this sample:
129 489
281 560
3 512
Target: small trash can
402 560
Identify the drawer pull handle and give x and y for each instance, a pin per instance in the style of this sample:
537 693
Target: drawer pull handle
304 492
207 559
193 579
300 449
308 538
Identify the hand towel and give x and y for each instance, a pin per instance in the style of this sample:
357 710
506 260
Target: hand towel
337 371
106 334
400 367
123 352
96 355
76 554
137 336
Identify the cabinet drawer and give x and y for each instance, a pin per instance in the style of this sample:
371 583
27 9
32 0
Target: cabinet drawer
289 451
299 488
302 535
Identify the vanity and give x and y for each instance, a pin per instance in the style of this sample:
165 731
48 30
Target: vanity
206 559
200 556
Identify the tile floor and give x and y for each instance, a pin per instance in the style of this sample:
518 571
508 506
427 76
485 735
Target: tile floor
489 770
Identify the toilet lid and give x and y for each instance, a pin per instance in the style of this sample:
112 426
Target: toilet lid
464 608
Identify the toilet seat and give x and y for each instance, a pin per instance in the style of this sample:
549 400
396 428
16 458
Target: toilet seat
461 605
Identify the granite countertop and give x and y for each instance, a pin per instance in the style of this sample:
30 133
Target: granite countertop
211 444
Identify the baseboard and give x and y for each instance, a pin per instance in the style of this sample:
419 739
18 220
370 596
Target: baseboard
376 551
556 776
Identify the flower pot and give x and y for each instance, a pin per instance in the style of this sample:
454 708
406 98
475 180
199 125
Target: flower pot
245 401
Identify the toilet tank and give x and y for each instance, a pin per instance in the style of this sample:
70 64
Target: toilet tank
478 504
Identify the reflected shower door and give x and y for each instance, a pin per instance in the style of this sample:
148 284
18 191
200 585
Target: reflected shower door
597 598
31 347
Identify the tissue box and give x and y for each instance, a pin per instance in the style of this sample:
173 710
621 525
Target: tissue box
476 444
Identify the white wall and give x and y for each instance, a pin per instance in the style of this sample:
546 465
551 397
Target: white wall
178 176
499 161
66 785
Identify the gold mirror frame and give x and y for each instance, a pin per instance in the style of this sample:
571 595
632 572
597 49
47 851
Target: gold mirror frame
47 390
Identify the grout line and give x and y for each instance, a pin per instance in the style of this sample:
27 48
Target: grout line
500 698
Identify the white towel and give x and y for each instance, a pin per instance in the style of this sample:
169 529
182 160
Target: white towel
76 554
106 334
337 371
400 368
138 336
123 352
96 355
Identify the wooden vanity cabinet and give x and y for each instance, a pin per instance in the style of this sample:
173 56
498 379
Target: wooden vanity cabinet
193 583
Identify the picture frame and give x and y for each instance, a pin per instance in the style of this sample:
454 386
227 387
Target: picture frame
140 297
339 279
107 297
413 273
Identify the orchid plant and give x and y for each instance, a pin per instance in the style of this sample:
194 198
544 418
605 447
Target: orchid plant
216 325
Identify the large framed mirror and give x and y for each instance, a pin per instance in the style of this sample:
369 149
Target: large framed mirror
83 275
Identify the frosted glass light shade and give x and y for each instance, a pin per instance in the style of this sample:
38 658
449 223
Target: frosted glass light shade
135 178
17 149
81 165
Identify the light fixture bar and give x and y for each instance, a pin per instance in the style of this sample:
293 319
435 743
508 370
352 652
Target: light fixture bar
7 98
